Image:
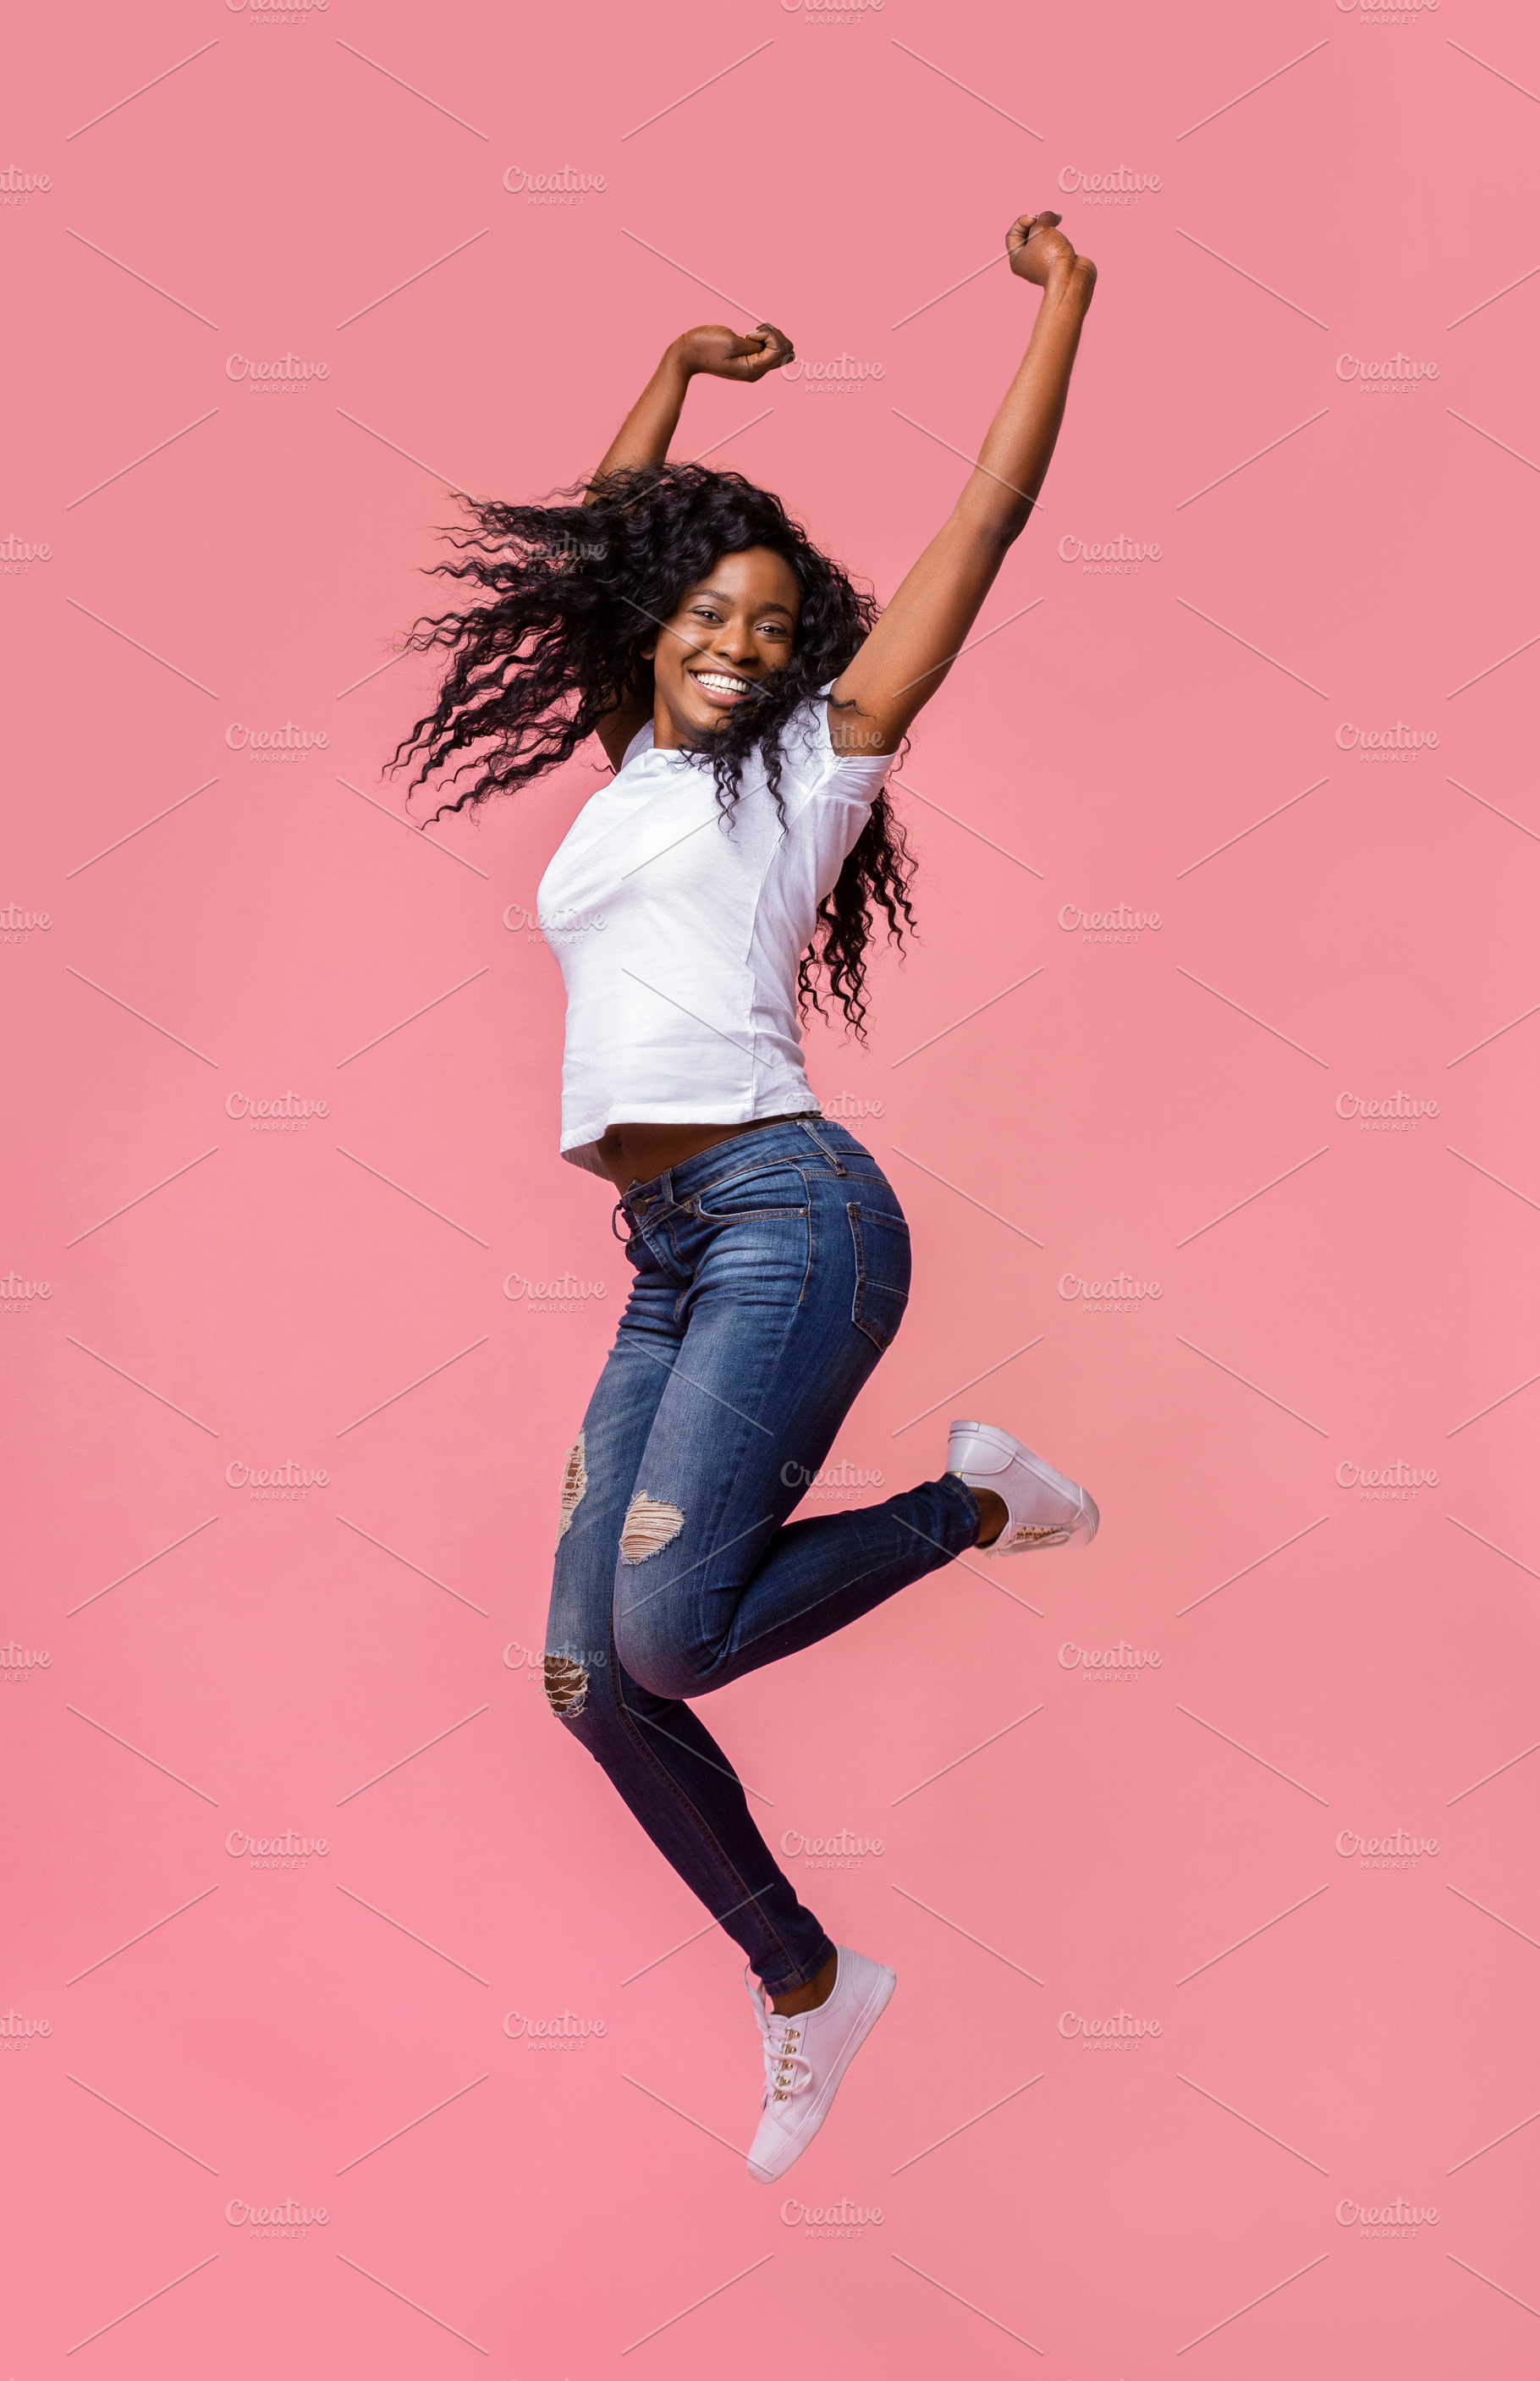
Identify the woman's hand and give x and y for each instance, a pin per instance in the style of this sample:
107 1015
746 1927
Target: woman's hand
1040 251
714 349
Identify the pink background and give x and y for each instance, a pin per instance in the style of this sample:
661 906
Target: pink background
334 1297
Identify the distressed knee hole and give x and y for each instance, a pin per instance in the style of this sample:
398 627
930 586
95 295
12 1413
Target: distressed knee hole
575 1482
566 1686
650 1526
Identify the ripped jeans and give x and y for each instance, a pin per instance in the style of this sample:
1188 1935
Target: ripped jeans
770 1273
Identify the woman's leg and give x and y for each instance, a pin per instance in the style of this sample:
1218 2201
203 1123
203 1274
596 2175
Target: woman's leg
797 1278
666 1767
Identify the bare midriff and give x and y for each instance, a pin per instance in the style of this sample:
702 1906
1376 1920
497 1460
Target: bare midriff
635 1152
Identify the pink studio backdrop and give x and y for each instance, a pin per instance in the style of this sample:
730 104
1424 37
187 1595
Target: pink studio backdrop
483 2029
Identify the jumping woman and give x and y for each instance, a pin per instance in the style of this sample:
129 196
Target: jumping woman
749 701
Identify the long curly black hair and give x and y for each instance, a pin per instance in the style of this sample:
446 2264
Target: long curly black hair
572 590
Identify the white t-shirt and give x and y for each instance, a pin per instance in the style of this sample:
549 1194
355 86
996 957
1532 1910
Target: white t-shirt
679 930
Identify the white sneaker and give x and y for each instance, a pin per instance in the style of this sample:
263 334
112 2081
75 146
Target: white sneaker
806 2056
1044 1509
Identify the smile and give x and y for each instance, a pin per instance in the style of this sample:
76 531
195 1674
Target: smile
718 682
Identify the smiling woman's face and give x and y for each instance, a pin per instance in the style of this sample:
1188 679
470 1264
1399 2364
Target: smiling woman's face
729 632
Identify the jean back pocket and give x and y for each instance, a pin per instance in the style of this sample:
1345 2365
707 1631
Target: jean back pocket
882 1263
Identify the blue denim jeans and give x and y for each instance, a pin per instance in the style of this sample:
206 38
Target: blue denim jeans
770 1273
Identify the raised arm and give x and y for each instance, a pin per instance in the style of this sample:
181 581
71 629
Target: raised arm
925 626
645 435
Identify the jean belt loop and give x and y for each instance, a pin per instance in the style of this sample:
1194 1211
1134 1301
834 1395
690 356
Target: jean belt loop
809 1128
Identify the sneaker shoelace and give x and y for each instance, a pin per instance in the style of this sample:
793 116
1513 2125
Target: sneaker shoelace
787 2069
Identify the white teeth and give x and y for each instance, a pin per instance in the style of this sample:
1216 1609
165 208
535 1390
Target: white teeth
722 684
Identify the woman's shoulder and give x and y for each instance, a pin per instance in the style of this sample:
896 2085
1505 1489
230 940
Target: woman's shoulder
808 750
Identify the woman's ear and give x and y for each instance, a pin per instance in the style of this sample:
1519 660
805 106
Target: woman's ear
648 652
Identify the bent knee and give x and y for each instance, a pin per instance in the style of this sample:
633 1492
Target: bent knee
566 1685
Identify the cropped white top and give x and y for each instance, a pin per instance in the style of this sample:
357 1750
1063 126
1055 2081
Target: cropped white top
679 931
